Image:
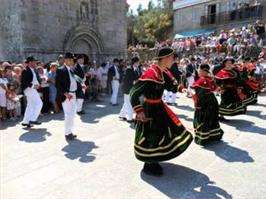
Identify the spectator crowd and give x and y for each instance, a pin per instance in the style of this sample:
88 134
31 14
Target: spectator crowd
245 44
13 101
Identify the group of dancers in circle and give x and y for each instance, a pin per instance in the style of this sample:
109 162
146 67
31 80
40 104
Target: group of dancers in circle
160 135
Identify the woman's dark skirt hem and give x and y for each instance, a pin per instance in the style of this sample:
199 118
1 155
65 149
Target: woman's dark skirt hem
250 101
208 137
233 112
177 148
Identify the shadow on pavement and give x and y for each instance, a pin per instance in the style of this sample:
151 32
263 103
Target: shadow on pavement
95 111
8 123
51 117
185 107
261 105
132 126
246 126
256 114
182 182
185 117
80 150
35 135
229 153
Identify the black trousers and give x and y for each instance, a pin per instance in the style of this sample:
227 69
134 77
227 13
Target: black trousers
45 99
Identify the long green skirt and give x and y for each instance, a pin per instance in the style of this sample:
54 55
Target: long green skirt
206 122
163 137
231 104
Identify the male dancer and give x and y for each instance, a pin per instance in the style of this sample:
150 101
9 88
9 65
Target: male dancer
132 73
30 82
66 85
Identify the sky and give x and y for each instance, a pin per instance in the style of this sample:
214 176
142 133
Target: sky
134 4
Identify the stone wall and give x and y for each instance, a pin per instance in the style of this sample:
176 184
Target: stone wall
11 37
189 18
47 28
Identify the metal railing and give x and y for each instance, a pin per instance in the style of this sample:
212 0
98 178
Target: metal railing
245 13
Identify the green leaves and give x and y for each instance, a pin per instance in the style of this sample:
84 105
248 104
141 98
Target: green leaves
151 25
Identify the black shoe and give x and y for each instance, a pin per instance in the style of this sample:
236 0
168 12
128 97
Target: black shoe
115 104
35 122
123 118
27 125
70 137
245 110
222 119
153 169
81 113
130 121
168 103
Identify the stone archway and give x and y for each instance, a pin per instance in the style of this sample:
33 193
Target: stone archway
82 40
81 46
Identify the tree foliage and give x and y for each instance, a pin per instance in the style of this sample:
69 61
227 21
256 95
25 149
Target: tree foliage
152 24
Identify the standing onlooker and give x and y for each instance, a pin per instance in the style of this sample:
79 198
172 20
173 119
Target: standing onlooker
94 82
60 61
52 88
104 71
3 88
44 90
231 43
115 78
17 78
99 77
80 76
260 30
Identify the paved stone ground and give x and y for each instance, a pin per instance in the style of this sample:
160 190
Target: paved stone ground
101 163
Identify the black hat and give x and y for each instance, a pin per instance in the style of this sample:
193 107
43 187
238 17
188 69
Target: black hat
164 52
134 60
30 59
69 55
81 56
229 59
205 67
116 60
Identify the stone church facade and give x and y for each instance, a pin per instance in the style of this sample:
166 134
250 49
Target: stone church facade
47 28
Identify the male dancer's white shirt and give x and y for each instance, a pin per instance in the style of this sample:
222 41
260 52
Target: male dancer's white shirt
34 79
73 82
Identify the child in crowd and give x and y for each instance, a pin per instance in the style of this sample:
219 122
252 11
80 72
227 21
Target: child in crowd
12 101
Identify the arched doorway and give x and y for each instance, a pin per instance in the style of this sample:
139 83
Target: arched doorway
81 46
82 40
